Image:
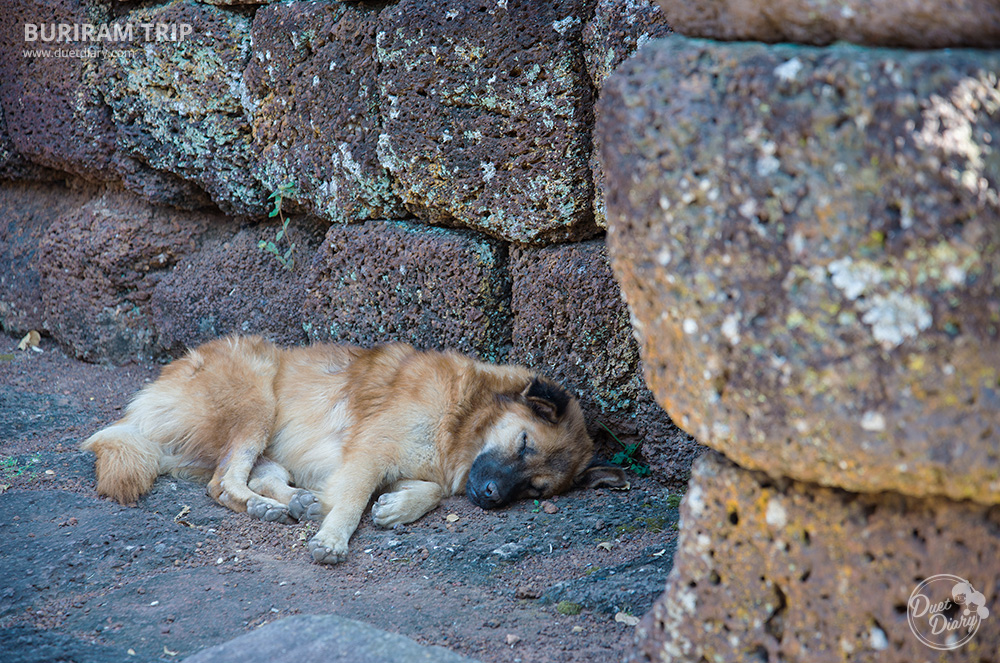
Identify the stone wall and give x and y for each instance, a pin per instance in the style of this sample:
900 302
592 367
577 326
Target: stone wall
808 238
434 159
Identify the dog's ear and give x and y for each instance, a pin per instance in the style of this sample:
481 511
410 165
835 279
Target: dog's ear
546 400
601 474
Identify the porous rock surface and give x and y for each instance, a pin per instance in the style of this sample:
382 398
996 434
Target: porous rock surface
55 114
312 96
323 638
486 115
10 160
911 23
570 324
177 104
233 286
27 210
771 570
52 106
613 34
14 165
809 240
98 266
616 30
401 281
239 4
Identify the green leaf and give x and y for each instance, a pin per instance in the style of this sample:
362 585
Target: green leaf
601 424
261 244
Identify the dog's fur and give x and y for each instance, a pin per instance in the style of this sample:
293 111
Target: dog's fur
272 426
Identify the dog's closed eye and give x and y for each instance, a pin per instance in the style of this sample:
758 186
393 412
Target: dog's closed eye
525 448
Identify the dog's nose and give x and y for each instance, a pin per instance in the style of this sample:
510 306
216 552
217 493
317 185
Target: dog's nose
491 492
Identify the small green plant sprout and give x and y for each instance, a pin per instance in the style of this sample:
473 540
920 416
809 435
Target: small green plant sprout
287 261
538 507
627 457
10 467
568 608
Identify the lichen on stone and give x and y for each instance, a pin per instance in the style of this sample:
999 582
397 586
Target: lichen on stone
831 245
178 103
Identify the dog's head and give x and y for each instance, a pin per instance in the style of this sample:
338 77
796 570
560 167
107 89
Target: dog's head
536 447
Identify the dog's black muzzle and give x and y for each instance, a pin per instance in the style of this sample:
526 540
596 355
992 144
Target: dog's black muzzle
494 481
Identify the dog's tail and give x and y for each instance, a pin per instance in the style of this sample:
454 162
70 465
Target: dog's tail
127 461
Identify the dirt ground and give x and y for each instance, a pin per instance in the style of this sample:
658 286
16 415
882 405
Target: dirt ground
85 579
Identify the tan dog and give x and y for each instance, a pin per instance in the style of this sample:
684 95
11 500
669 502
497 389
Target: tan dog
345 423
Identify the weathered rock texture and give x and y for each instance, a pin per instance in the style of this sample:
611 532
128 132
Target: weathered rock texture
398 281
914 23
312 94
323 638
177 104
571 325
232 286
810 242
52 105
9 157
617 29
614 33
14 165
27 210
486 115
99 264
784 571
55 114
238 4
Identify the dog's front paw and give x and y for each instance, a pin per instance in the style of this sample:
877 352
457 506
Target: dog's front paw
389 510
305 506
268 510
408 501
327 550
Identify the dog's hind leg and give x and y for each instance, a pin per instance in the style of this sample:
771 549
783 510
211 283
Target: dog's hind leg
270 479
305 506
275 499
229 486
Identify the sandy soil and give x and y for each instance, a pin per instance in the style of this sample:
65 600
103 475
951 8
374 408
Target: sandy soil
88 580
